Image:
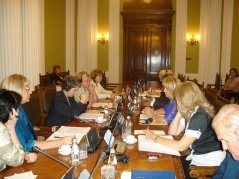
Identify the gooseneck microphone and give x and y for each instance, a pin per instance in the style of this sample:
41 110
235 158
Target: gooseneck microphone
37 149
94 140
101 157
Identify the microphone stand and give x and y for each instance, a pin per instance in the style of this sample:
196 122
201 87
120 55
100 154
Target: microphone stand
37 149
102 156
93 148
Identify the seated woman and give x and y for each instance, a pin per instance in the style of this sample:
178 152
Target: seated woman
85 87
56 78
64 108
11 151
194 117
162 100
96 76
232 82
24 129
170 110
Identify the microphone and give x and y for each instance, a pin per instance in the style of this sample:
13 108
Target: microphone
37 149
102 156
93 137
106 109
148 121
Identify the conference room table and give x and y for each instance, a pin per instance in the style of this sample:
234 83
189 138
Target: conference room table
47 168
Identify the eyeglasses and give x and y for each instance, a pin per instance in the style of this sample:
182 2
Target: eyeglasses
27 88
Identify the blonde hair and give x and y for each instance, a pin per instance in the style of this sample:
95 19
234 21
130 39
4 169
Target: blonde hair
188 96
15 82
163 72
170 83
79 76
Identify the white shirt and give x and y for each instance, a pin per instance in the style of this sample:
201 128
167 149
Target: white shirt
100 91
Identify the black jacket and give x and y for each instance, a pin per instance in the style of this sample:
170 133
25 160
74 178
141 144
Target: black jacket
61 112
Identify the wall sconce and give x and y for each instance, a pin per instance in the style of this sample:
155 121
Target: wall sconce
192 40
103 39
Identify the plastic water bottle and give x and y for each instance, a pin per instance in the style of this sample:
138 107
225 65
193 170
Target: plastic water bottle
75 153
112 158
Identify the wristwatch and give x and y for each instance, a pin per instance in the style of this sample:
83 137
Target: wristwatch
156 139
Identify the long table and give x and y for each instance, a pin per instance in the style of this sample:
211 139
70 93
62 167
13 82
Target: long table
46 168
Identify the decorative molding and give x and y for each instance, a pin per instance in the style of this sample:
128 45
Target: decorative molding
180 43
226 38
70 36
114 17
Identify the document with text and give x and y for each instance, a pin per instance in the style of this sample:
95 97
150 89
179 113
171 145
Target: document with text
64 131
143 145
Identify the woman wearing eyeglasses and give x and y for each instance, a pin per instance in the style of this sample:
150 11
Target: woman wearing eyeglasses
24 128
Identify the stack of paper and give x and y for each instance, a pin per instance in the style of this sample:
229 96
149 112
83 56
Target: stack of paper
64 131
157 132
143 145
108 105
90 115
25 175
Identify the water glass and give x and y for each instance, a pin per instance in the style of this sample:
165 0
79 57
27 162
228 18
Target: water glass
83 150
107 172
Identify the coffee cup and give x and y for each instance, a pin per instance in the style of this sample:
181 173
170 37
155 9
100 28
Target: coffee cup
130 138
64 150
100 119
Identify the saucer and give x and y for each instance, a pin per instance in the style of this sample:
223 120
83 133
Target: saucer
100 122
64 153
131 142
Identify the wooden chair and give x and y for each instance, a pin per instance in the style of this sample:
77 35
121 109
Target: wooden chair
107 86
217 84
65 73
201 172
181 77
45 80
201 86
210 94
47 95
34 109
220 102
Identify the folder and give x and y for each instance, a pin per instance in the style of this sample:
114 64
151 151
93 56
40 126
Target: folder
152 174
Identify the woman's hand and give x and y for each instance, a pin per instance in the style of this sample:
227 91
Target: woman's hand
91 89
149 134
30 157
66 140
10 124
149 112
84 98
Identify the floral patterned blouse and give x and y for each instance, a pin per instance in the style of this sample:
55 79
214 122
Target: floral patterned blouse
10 154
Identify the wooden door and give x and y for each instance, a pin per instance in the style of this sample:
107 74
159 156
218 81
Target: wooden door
146 53
146 38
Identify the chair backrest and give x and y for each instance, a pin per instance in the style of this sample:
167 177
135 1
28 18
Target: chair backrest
210 95
33 109
64 73
103 81
220 102
201 86
47 95
45 80
217 81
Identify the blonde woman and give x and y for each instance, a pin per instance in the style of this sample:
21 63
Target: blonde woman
194 117
169 110
24 128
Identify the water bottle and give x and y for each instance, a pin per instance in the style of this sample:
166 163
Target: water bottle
75 153
112 158
127 127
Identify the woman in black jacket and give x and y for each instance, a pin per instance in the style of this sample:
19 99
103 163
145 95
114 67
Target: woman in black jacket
64 108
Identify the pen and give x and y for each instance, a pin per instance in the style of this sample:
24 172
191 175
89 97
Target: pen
56 137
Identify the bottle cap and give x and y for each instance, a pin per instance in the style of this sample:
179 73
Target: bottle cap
112 150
